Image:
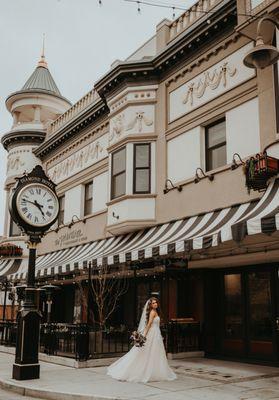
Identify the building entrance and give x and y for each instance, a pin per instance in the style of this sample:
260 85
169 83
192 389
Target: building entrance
248 324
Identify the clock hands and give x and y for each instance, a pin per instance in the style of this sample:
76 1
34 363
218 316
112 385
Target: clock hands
35 203
40 207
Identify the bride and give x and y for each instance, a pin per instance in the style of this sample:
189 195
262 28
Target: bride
147 363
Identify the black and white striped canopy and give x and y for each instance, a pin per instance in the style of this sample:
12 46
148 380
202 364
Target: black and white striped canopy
9 266
193 233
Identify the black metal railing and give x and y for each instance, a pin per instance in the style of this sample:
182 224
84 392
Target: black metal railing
8 331
82 342
69 340
183 336
114 340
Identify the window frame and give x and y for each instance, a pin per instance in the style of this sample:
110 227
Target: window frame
87 200
61 211
135 169
112 186
12 225
207 148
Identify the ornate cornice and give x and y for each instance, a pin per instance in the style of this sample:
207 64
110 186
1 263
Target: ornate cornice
205 57
75 126
186 46
33 92
22 137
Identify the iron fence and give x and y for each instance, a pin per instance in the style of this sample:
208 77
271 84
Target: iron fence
8 331
183 337
69 340
82 342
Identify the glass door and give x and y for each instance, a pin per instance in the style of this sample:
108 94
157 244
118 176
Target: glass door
260 319
233 340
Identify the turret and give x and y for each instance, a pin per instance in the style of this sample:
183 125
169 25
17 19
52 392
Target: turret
33 108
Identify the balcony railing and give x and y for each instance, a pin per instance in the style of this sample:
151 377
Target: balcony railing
82 342
190 16
87 100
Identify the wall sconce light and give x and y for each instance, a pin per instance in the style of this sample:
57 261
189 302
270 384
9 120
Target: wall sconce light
75 219
234 162
262 55
203 175
114 215
167 189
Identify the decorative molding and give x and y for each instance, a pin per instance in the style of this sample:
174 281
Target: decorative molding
139 120
14 163
80 160
209 80
205 57
101 129
117 125
132 95
220 78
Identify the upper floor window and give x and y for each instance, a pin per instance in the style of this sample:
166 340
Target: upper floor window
215 144
88 198
61 210
118 173
142 168
14 229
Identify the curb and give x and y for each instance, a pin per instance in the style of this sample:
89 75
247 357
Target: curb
48 395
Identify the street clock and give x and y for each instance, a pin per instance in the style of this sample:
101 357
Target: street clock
34 205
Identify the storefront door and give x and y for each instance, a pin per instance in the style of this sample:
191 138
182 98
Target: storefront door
249 314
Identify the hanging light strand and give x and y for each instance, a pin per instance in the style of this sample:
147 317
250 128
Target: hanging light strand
174 7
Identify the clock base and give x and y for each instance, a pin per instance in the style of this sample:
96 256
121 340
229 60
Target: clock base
24 372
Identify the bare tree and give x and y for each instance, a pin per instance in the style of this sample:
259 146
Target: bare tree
107 288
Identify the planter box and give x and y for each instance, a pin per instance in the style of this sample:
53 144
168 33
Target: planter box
258 170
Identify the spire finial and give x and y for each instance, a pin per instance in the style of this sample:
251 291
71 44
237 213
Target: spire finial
42 62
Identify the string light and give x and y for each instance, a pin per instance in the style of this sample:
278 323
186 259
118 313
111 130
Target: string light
175 7
158 4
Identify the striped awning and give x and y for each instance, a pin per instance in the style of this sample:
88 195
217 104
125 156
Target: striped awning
182 236
9 266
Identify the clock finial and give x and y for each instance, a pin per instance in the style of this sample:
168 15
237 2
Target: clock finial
42 62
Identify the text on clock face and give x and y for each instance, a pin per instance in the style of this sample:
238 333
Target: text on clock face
37 205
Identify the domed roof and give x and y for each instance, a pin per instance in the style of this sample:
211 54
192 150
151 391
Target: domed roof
42 79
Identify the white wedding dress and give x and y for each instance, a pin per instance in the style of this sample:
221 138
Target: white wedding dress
144 364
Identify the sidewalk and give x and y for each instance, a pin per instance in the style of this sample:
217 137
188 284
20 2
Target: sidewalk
198 379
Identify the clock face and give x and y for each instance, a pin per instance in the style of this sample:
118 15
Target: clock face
37 205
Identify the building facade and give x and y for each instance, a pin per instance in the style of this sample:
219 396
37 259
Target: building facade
149 173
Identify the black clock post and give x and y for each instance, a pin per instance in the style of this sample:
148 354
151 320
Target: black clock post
36 183
26 364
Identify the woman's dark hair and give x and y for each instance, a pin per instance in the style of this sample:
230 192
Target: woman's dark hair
149 307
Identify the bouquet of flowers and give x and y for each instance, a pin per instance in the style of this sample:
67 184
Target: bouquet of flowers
138 339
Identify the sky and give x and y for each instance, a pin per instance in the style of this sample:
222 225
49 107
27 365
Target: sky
82 40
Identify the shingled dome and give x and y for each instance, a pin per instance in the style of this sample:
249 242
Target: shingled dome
42 79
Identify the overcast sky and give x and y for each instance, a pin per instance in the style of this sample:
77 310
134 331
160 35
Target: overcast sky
82 40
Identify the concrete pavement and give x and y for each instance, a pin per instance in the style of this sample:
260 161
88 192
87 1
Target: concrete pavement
198 379
8 395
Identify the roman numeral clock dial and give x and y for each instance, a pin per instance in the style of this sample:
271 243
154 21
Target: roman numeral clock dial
37 205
